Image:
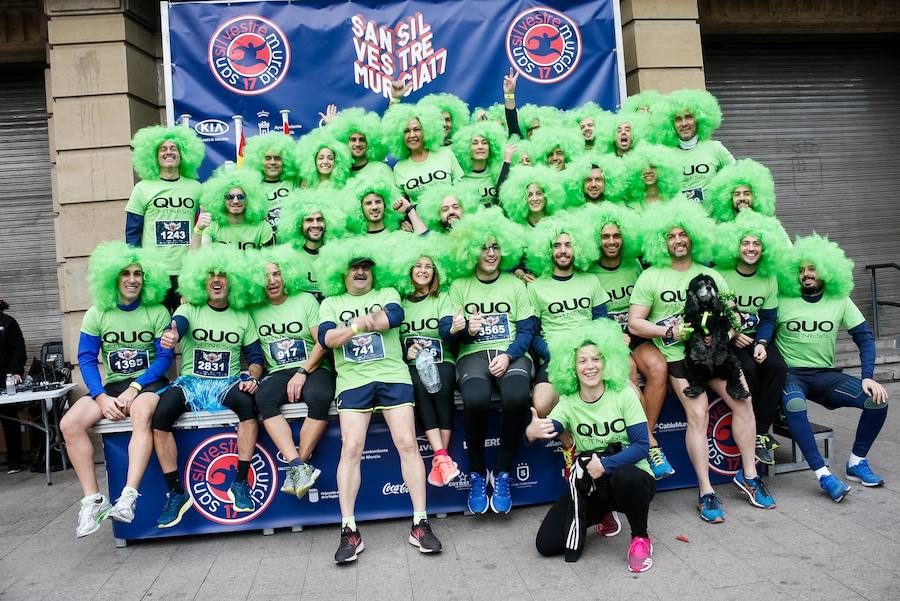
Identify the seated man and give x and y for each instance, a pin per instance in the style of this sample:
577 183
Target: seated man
213 331
814 303
372 198
123 326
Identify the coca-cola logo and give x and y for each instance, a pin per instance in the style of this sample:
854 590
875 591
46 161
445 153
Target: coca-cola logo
394 489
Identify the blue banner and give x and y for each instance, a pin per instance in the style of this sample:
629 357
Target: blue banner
253 67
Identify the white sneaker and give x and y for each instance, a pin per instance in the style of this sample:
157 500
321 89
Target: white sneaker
90 515
123 510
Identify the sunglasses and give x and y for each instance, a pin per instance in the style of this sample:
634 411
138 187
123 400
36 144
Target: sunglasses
235 197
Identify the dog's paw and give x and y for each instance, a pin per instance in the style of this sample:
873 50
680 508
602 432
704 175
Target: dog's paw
737 392
693 391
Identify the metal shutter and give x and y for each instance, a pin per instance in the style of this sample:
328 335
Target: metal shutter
28 280
824 115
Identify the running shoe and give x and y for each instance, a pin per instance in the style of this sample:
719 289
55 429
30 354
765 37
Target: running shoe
710 507
755 489
14 469
351 546
90 515
659 464
862 473
239 493
305 477
443 471
568 454
173 510
501 499
478 500
836 489
123 510
640 554
609 525
422 537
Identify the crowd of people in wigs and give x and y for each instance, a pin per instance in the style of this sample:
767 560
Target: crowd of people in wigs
540 255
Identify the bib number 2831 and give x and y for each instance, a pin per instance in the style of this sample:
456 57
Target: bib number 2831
211 364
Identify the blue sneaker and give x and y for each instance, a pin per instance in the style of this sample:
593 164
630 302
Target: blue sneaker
755 489
710 507
478 499
836 489
862 473
175 507
239 493
659 464
501 500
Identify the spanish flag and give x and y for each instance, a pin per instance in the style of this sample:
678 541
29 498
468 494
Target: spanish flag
239 140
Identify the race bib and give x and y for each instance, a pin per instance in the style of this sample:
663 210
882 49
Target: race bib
273 216
287 350
494 326
211 364
432 345
127 361
172 232
695 194
621 318
364 347
666 322
749 321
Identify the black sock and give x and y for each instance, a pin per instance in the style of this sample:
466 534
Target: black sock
174 482
242 469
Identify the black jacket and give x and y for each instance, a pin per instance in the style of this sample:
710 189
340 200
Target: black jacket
12 348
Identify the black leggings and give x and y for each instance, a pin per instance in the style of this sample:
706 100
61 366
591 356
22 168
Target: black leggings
435 410
627 490
766 382
317 393
475 385
172 405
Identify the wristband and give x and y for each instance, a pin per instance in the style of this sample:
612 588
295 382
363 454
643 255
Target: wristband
509 96
409 208
302 370
136 386
394 100
198 232
763 343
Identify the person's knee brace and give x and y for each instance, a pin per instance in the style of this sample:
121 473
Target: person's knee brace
794 399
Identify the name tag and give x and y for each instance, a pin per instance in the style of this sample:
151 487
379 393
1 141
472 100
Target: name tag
364 347
128 361
494 326
621 318
173 232
287 350
666 322
432 345
211 364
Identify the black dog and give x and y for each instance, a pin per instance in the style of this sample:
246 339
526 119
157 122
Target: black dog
708 352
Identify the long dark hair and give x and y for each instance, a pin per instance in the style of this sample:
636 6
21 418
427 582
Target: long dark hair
3 305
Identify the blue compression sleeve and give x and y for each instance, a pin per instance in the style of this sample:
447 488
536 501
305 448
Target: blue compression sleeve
599 311
159 367
88 349
324 328
394 314
637 450
766 328
865 341
253 353
182 324
134 229
522 342
444 326
558 426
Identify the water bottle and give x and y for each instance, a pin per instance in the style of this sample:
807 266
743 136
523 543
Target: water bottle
428 371
11 383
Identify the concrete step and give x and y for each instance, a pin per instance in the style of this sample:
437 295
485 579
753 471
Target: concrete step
852 359
883 373
882 345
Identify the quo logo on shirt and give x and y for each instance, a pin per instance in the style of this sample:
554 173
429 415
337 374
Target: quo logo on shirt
205 335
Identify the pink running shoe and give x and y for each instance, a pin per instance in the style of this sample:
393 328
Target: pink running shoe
640 554
443 471
609 525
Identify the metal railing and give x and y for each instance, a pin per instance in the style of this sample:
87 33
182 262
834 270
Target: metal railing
874 286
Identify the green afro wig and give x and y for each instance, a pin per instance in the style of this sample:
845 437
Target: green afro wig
286 258
334 260
775 242
356 120
514 191
588 110
668 172
614 181
661 217
606 336
745 172
308 148
212 194
357 190
429 207
107 262
470 234
396 118
403 257
490 131
630 226
833 267
541 239
647 101
258 146
459 110
700 103
495 113
146 143
642 130
545 116
217 258
302 203
547 139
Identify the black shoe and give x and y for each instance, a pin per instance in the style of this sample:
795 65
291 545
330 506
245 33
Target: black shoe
763 453
351 546
422 537
14 469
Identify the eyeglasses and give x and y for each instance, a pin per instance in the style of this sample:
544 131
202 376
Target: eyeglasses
235 197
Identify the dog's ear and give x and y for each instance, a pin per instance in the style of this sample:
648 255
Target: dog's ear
691 303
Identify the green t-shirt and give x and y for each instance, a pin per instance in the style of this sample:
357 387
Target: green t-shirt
244 235
806 331
595 426
371 356
486 183
276 192
126 338
376 169
412 178
211 347
753 292
664 290
421 324
168 209
284 330
619 283
699 165
501 303
306 261
565 305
